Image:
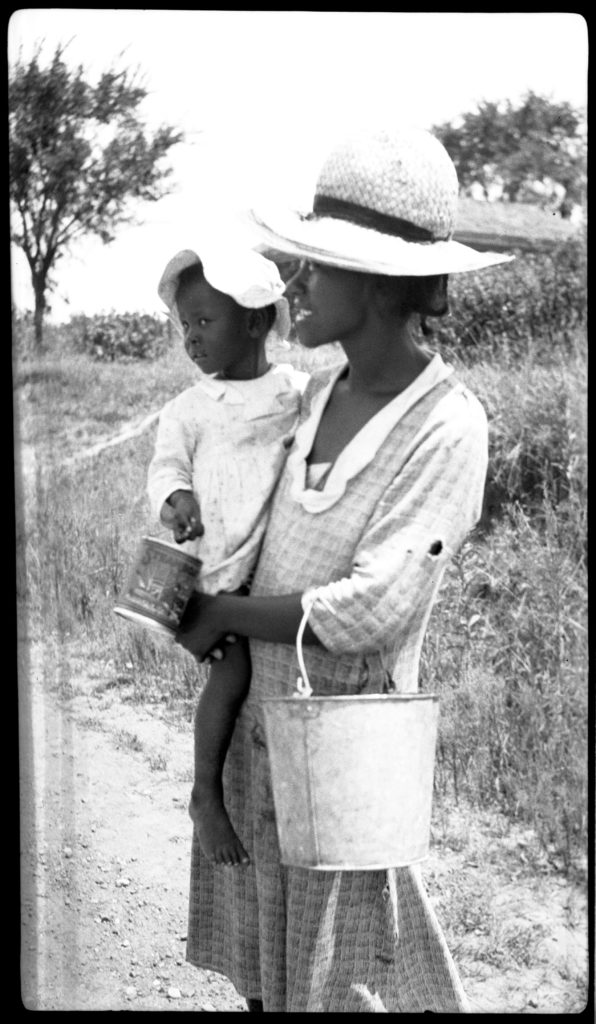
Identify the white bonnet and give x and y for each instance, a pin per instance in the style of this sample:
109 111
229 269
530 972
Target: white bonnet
242 273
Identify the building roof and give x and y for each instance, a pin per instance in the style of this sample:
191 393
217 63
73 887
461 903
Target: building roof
501 226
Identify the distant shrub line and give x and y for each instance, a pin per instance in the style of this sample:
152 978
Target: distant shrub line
123 336
535 304
109 337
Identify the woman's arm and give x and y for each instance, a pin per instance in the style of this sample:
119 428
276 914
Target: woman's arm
209 618
420 521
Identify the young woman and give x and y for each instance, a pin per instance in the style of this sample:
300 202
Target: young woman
384 480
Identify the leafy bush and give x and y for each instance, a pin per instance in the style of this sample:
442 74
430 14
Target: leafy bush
536 304
107 337
124 336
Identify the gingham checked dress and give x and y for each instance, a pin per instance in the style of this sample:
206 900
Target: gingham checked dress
373 544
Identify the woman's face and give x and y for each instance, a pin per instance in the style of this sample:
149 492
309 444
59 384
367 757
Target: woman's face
329 304
216 335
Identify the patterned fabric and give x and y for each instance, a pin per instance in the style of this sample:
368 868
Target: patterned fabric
403 174
227 442
364 941
363 448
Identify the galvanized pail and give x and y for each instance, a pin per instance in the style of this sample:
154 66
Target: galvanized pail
159 586
352 778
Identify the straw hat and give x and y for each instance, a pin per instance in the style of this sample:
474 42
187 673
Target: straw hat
245 275
386 203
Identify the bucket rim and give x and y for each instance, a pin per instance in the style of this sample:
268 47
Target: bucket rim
350 697
372 865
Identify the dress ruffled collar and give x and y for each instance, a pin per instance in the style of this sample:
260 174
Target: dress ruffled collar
363 447
235 392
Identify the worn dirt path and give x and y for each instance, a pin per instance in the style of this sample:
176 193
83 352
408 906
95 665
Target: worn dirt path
105 853
105 860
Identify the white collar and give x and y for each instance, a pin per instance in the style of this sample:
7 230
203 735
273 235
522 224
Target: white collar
364 445
214 386
237 391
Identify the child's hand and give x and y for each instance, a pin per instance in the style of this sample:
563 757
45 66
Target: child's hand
182 514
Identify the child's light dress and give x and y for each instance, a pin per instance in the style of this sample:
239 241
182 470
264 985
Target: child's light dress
226 441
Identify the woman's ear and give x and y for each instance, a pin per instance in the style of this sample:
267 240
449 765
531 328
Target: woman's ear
435 298
389 294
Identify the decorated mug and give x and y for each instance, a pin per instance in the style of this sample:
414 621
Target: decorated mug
159 586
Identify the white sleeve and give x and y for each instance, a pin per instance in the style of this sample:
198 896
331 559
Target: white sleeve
171 468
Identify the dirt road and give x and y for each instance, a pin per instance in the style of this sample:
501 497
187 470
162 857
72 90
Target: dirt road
105 841
105 858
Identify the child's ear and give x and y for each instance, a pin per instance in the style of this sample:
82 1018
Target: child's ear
256 322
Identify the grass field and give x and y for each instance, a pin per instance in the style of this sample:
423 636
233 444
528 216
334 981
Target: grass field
507 643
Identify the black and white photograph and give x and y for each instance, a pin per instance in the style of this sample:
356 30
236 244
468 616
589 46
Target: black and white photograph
303 716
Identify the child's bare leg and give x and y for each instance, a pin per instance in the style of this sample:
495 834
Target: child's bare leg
215 717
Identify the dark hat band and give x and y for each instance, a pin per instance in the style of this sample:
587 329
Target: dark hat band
326 206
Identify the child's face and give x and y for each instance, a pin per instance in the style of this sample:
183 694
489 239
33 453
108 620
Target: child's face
216 333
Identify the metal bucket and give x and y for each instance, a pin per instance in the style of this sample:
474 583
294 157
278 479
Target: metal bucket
159 586
352 777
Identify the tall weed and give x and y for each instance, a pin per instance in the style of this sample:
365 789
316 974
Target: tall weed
507 651
537 420
78 531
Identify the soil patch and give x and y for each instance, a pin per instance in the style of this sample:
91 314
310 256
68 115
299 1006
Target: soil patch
105 863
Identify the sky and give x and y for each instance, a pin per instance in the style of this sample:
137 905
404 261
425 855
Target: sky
261 95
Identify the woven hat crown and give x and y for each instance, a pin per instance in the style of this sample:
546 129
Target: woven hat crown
404 174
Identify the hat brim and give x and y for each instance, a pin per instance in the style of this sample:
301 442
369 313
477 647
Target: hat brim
168 283
340 243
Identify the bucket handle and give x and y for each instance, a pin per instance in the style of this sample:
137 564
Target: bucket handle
303 686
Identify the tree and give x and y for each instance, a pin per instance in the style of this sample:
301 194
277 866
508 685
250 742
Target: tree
535 152
78 156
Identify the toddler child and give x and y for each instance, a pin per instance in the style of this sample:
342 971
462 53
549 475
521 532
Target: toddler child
219 451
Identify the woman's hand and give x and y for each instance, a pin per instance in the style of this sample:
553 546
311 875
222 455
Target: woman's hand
210 619
201 631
